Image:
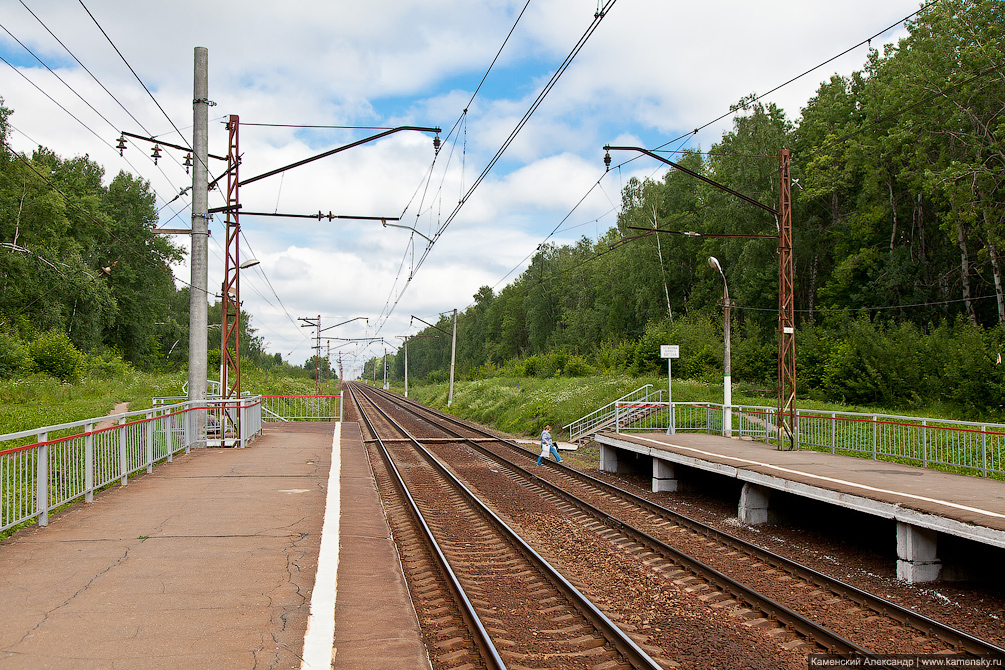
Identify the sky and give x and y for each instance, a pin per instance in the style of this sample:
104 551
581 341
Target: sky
650 71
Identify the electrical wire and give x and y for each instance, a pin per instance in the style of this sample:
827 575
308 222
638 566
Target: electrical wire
184 140
295 125
67 111
271 288
139 253
598 18
130 67
754 99
452 137
832 310
96 80
496 58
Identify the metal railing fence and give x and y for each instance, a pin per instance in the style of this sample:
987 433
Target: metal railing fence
46 468
645 415
605 416
302 407
956 446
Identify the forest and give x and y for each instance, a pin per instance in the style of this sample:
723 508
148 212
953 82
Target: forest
85 283
898 224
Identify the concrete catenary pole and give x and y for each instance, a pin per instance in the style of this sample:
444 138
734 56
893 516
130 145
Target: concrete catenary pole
197 318
453 354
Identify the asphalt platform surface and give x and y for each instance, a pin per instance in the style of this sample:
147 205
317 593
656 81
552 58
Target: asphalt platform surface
208 562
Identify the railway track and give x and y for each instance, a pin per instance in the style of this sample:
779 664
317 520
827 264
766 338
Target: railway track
715 567
492 600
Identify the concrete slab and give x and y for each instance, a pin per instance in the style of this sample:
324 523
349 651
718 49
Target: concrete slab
968 507
208 562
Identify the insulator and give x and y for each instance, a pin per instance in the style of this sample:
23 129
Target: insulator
607 161
121 146
436 144
188 162
156 153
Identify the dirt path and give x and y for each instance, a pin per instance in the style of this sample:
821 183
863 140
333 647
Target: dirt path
119 408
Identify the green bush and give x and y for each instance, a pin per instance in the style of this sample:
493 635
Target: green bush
755 359
962 368
576 366
53 354
613 357
529 366
14 358
437 376
702 364
106 366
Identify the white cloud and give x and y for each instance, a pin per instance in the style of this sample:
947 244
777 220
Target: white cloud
652 71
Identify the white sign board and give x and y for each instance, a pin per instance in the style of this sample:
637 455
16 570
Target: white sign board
669 351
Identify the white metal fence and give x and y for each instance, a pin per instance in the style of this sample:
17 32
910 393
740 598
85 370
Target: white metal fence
956 446
606 416
44 469
302 407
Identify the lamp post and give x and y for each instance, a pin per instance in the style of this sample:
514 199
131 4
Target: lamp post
786 416
727 382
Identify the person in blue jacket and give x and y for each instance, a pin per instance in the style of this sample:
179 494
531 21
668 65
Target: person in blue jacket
548 446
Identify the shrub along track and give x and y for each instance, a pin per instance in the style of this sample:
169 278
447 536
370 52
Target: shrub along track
674 586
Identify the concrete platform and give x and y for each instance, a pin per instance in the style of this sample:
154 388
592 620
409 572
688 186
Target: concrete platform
375 623
210 562
924 503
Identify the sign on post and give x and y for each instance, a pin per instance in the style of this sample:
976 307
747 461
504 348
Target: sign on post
670 352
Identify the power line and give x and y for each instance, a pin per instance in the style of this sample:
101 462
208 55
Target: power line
56 75
140 253
134 73
939 303
97 81
598 18
55 102
599 15
72 116
746 103
75 92
498 53
294 125
271 288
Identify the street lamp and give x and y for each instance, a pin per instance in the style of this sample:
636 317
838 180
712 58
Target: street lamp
727 382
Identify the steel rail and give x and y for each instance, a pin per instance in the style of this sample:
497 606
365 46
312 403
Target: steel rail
821 635
952 636
489 653
621 641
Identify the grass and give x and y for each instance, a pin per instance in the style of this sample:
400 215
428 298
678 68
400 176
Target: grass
523 406
39 400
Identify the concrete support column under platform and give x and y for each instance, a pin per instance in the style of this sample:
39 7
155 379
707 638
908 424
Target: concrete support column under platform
664 476
753 509
917 550
608 459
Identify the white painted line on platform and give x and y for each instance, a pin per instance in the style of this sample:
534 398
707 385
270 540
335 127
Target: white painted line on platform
828 479
319 640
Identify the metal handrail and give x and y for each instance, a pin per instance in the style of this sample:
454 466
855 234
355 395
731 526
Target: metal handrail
49 467
601 417
976 448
